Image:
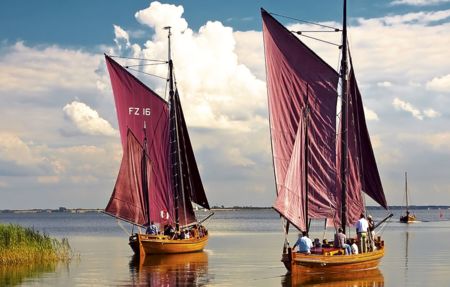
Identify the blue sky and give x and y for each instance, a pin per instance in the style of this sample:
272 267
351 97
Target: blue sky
88 23
58 130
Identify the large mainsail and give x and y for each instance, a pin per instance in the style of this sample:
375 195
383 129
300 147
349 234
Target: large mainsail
298 79
188 186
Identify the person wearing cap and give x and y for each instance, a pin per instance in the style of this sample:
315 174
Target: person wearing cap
304 243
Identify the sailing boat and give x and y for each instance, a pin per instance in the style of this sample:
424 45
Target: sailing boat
158 178
408 217
307 150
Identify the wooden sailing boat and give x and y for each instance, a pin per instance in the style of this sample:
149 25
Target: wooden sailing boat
319 173
158 178
408 217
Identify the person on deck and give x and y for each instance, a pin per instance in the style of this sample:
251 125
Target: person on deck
354 247
361 230
304 243
339 241
186 234
152 229
371 232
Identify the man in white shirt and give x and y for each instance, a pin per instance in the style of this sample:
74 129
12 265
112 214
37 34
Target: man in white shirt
361 230
304 243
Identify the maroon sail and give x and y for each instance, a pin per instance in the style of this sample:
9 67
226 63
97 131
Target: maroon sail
296 78
291 195
136 104
194 186
362 173
129 200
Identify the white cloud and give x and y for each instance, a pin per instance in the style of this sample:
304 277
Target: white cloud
408 107
385 84
216 89
405 106
121 36
14 149
430 113
370 115
439 84
37 71
88 120
419 2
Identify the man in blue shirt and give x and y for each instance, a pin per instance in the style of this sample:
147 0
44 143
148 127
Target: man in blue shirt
304 243
152 229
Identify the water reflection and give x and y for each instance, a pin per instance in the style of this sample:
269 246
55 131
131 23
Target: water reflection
369 278
189 269
11 275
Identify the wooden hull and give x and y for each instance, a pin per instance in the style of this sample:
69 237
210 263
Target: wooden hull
143 244
308 264
373 278
408 218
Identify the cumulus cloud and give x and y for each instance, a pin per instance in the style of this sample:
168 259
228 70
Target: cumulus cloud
408 107
217 90
36 71
88 120
439 84
419 2
370 115
430 113
14 149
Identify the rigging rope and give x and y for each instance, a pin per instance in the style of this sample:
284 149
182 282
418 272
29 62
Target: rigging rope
308 22
147 73
141 59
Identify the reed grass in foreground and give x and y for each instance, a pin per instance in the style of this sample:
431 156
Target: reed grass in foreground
19 245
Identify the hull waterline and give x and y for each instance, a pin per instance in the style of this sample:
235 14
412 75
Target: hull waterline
143 244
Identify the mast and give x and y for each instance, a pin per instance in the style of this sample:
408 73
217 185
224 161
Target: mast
144 175
174 109
406 193
306 115
344 118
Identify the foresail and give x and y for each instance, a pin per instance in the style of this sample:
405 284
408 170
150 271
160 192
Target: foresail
136 106
289 202
296 78
128 201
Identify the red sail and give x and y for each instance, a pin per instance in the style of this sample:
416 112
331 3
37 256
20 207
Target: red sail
362 172
136 104
295 74
128 200
194 186
291 195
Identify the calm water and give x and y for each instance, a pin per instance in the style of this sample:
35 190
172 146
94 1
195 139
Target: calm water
243 250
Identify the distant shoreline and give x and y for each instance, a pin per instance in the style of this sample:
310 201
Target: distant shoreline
213 208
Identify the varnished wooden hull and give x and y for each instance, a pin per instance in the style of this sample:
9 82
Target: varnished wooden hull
373 278
329 264
143 244
408 219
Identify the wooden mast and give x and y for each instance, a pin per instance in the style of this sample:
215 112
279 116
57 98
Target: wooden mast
344 99
171 100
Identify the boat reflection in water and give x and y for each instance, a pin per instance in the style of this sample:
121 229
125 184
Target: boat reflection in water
188 269
368 278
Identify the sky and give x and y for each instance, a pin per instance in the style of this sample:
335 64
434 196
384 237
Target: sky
59 142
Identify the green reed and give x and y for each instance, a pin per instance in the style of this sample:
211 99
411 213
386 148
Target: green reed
20 245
